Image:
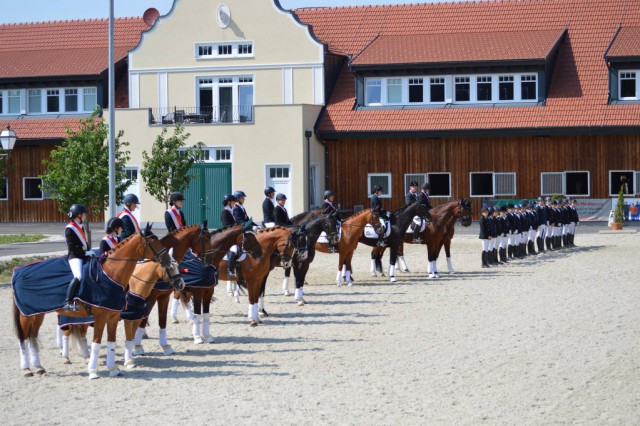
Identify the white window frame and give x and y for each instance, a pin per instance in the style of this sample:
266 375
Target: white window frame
520 81
387 192
588 194
45 195
474 89
214 45
385 99
470 82
634 174
440 173
7 102
419 177
214 83
366 91
6 194
425 90
636 78
471 184
515 184
23 97
542 188
212 151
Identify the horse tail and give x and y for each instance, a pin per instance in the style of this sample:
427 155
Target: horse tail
16 323
184 299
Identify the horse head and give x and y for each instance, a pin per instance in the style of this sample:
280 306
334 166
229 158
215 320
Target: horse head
300 241
173 276
465 216
153 248
374 221
330 226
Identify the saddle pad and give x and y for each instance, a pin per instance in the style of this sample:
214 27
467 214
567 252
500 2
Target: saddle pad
64 322
369 232
323 239
197 274
137 308
41 287
240 258
416 223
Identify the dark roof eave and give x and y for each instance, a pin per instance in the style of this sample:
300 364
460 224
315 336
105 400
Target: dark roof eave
422 65
622 59
431 134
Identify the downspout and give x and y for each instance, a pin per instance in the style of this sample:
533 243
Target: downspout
308 134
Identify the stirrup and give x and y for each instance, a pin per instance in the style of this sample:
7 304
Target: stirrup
71 307
230 274
417 241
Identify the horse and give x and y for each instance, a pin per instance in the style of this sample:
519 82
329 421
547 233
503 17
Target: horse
434 235
352 228
302 258
402 218
253 269
118 264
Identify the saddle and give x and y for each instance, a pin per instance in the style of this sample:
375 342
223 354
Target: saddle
415 224
370 232
324 239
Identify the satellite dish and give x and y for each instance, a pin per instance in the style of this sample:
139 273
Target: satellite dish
150 16
223 16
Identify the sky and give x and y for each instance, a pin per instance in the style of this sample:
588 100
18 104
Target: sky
14 11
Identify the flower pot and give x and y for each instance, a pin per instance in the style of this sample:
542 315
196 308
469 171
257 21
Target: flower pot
616 226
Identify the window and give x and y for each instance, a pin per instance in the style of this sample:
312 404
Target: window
418 177
374 91
493 184
504 184
382 179
279 172
482 184
440 184
53 100
528 87
576 183
1 100
552 183
223 155
628 85
463 89
131 174
4 188
225 49
205 50
622 178
505 87
394 90
35 101
32 191
484 88
90 98
437 89
245 49
71 100
14 101
416 90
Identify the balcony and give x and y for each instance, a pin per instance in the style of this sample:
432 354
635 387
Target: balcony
237 114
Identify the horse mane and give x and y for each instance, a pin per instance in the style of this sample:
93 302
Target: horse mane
303 214
360 213
175 231
272 229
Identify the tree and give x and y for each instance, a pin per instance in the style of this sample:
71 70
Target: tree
618 213
166 169
78 170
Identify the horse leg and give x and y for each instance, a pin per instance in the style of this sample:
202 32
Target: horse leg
402 263
175 302
300 274
447 251
207 295
379 261
285 282
374 262
342 268
82 342
163 308
261 311
64 350
98 329
138 349
197 318
393 255
130 328
253 289
347 267
112 329
34 348
59 335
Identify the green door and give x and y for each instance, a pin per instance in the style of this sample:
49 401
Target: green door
205 192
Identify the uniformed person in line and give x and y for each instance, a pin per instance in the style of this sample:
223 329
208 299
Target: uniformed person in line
78 251
511 221
239 212
281 216
504 236
131 225
549 234
327 206
174 217
541 215
575 221
111 239
267 207
412 195
485 236
376 207
493 226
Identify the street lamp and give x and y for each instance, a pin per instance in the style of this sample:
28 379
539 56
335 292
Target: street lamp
8 138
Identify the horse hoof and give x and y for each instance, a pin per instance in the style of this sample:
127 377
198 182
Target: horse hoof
350 284
198 340
93 375
374 275
382 274
167 350
301 302
27 373
253 323
115 372
208 339
40 371
138 350
286 293
129 364
406 270
437 275
67 361
175 321
263 313
452 272
392 279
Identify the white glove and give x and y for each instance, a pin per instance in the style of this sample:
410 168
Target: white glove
90 253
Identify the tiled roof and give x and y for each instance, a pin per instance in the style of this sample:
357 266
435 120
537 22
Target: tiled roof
456 48
40 128
45 49
579 87
626 43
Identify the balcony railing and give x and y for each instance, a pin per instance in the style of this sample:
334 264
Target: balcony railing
201 115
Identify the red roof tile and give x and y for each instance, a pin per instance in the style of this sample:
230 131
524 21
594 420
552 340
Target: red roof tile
626 43
460 47
45 49
40 128
579 86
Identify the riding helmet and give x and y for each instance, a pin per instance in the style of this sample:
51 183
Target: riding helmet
227 198
131 199
175 196
413 183
426 185
269 190
239 194
281 197
76 210
113 224
376 188
328 193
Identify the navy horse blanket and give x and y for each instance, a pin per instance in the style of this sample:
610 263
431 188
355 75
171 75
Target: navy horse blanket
41 287
64 322
137 307
194 273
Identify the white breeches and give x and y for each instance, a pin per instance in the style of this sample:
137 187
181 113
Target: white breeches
234 249
542 231
503 241
485 245
76 268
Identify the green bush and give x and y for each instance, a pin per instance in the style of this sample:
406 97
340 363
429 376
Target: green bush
618 213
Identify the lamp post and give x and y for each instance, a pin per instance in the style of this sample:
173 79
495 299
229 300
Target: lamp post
8 139
112 117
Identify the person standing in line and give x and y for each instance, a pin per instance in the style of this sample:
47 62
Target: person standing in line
485 236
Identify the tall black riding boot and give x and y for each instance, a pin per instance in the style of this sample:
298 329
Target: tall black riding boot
485 256
231 264
69 304
496 259
503 255
548 241
532 248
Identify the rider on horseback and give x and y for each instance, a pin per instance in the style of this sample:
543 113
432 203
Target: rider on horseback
110 240
376 207
328 207
131 226
79 251
281 217
268 207
174 217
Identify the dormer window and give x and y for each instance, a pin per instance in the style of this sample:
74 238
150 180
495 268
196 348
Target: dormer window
437 89
505 87
224 50
628 85
416 90
463 89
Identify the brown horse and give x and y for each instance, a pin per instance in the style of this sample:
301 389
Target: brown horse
118 264
352 229
254 268
436 233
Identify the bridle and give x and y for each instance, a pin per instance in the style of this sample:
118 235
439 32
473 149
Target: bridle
158 256
332 234
465 213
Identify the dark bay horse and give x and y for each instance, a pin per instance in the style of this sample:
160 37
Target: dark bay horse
314 225
119 264
443 218
402 218
352 229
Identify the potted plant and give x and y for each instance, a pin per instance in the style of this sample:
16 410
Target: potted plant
618 213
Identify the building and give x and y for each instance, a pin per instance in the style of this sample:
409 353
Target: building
499 99
52 74
246 79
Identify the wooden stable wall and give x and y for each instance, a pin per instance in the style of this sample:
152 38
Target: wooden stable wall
26 161
350 160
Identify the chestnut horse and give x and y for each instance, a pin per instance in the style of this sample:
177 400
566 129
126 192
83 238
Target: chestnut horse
438 231
118 264
352 229
253 269
400 222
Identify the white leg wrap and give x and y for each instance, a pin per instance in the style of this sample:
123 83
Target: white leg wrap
229 287
344 270
174 308
59 335
128 352
84 348
348 279
339 278
92 367
298 294
261 303
373 268
206 328
392 273
402 263
65 347
189 312
111 355
285 286
250 312
197 322
163 337
254 311
138 336
34 353
24 354
450 266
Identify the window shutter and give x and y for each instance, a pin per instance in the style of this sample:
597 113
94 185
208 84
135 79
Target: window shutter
552 183
504 183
